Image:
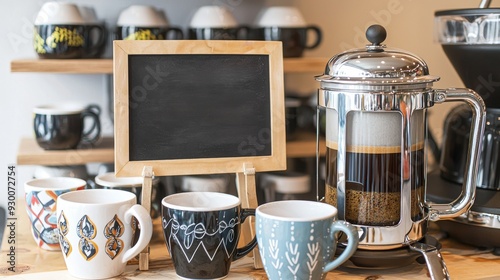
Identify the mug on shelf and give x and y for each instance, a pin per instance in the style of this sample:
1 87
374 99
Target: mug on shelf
142 22
61 127
286 24
215 23
61 32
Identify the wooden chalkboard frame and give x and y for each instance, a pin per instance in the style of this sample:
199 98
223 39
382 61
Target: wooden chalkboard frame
124 166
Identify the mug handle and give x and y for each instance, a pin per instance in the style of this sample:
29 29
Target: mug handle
241 252
243 32
94 50
352 243
319 36
146 232
93 112
464 202
178 34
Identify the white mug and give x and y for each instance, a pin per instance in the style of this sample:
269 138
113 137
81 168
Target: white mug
96 231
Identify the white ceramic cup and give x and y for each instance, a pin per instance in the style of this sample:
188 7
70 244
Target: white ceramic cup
280 16
59 13
134 185
96 230
142 15
109 180
41 205
213 17
204 184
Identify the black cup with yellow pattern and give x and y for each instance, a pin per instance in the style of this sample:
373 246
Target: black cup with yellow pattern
61 41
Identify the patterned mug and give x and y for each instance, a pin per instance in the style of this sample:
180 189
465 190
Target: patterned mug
97 229
297 239
41 196
202 230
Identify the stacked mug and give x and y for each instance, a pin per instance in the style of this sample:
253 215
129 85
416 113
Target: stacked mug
63 30
216 23
142 22
286 24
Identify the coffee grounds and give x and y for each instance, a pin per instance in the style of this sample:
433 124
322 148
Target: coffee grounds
374 208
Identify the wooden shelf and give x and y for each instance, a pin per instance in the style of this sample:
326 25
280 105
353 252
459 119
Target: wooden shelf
29 153
303 144
105 66
68 66
305 65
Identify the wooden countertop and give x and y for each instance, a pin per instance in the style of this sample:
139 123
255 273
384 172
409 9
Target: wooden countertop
463 262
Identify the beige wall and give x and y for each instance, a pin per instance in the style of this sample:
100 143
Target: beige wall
409 25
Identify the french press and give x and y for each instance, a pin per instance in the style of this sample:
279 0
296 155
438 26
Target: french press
375 101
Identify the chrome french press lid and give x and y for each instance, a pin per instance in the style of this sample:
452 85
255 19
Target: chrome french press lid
376 66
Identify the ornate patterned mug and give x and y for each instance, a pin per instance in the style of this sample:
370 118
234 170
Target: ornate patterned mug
297 239
96 231
41 196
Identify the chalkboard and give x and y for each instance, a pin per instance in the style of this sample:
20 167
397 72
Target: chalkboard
198 107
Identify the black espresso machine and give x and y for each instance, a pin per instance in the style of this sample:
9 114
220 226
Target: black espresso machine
470 39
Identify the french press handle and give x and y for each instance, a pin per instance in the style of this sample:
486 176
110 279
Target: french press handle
466 199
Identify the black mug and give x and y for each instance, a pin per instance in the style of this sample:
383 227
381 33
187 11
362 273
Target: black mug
218 33
61 41
294 39
131 32
202 230
62 127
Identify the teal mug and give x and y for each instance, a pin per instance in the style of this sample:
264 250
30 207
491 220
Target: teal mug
297 239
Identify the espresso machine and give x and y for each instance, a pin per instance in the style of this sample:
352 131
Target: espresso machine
470 38
375 100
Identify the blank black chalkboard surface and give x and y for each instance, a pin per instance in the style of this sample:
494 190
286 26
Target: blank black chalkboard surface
198 107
